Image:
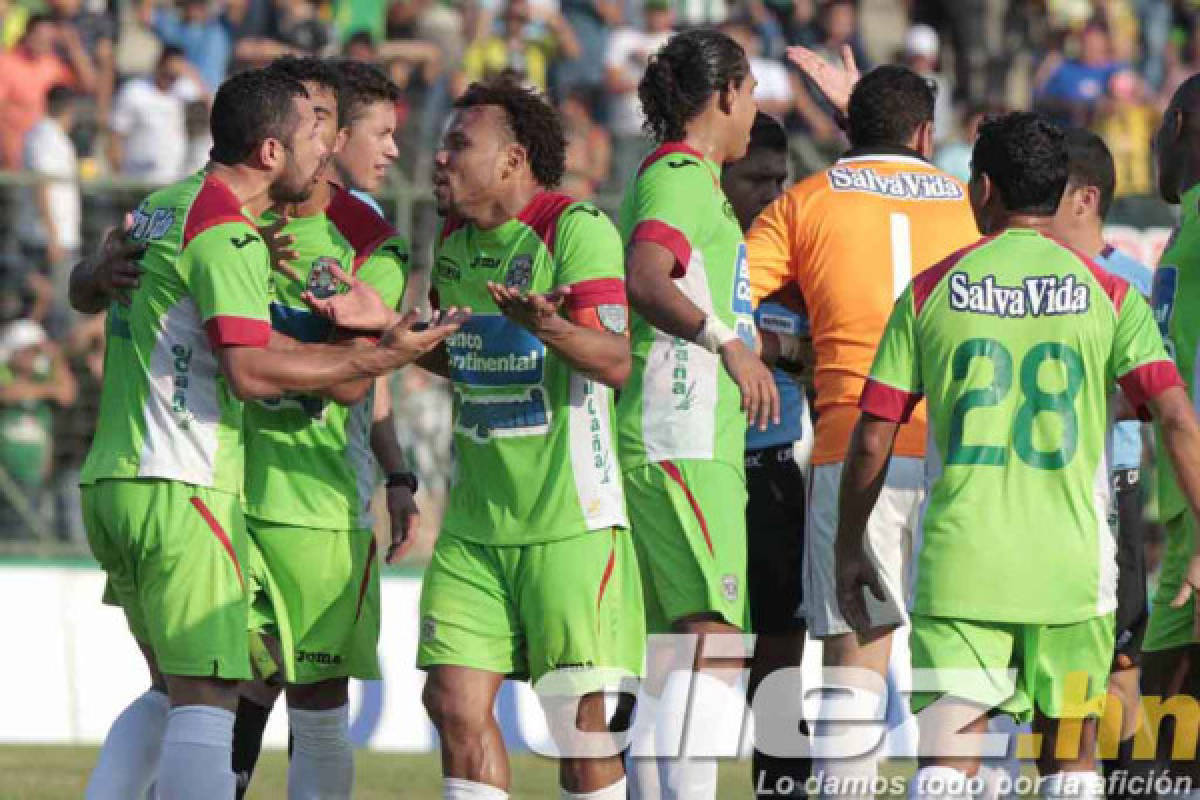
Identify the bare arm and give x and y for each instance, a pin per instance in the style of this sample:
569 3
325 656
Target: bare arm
863 473
81 62
111 274
564 37
1181 438
63 386
402 506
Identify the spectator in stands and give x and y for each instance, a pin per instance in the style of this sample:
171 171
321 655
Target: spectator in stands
774 92
1126 123
922 51
199 136
33 377
27 73
96 33
148 140
592 21
589 149
517 51
1069 90
295 29
13 18
48 219
196 29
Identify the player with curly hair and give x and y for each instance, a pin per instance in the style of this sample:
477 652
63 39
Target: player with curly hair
534 574
695 379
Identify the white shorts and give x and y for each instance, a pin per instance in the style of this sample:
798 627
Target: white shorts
891 529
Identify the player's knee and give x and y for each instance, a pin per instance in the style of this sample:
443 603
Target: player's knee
319 696
452 712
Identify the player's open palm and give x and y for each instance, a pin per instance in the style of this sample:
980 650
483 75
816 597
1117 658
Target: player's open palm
405 519
1190 590
359 308
531 311
855 576
281 246
760 396
835 82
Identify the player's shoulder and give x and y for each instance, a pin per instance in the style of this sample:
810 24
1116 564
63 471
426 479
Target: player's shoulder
924 284
213 206
357 222
672 163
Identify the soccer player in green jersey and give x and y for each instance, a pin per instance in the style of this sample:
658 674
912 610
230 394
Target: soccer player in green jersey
1015 342
534 574
1171 648
315 565
682 416
163 480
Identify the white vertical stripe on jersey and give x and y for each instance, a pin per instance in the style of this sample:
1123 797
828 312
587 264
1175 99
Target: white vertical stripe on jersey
1106 545
359 457
181 445
594 462
673 427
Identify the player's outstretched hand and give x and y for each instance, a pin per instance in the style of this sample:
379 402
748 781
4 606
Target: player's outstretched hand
835 82
410 340
1190 590
532 311
405 518
117 272
360 308
760 396
855 573
281 247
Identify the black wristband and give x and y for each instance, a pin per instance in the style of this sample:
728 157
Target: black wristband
406 479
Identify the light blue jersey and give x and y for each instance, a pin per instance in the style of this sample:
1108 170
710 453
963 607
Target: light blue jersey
1127 435
793 404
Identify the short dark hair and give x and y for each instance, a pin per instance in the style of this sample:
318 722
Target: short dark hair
533 122
887 106
767 134
362 85
308 69
361 37
59 99
249 108
1090 163
33 20
1025 156
684 74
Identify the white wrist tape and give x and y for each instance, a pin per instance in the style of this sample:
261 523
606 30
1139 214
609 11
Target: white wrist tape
713 334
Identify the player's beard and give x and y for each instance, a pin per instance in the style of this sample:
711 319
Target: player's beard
292 187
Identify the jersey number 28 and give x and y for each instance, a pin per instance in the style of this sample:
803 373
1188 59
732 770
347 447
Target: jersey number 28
1036 401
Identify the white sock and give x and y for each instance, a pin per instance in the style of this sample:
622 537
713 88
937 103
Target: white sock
714 725
462 789
1073 786
641 768
615 791
939 783
847 753
129 757
322 763
197 754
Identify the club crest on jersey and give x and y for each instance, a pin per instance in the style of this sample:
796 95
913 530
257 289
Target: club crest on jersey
1038 296
520 273
321 281
729 587
613 317
151 223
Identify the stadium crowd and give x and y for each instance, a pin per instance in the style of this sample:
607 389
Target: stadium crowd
91 91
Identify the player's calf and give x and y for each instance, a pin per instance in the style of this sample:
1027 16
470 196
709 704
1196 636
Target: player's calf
459 701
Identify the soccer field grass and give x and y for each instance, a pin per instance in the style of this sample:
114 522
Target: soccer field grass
59 773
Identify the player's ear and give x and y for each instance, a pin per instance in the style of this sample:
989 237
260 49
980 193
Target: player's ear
515 157
340 140
924 139
270 152
725 98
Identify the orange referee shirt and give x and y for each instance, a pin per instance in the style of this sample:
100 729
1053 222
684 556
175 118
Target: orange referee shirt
851 238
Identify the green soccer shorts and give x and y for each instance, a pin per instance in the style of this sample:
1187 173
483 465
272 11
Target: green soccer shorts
1170 628
316 590
689 527
528 610
174 553
1060 668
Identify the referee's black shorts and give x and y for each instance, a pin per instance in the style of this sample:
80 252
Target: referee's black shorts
775 539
